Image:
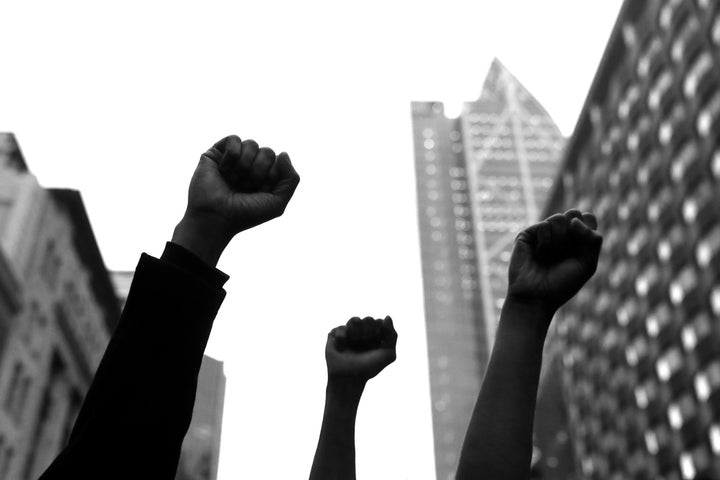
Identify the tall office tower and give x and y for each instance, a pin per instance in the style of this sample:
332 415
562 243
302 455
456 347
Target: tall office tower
642 339
201 447
481 178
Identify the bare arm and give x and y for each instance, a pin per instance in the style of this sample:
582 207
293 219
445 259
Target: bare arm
354 354
551 261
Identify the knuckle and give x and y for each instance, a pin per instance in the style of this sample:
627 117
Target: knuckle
267 151
250 144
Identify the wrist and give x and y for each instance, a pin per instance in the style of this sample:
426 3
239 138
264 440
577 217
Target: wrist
202 236
530 316
345 389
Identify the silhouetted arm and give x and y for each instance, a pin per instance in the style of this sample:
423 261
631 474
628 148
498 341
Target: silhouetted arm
139 405
354 354
335 454
551 261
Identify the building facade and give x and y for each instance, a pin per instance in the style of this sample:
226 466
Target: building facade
641 341
481 178
201 447
66 313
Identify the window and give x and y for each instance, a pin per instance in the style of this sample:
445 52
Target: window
715 33
460 210
683 161
460 197
714 435
687 466
661 85
641 397
702 387
458 184
668 364
708 116
708 248
696 73
715 300
689 338
684 283
651 442
457 172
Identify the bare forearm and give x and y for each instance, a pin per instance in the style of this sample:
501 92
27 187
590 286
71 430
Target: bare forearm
335 454
498 444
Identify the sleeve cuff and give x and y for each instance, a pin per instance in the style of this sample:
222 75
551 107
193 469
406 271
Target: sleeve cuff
188 261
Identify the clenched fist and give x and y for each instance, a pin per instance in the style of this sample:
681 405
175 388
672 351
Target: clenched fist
553 259
360 349
241 184
237 185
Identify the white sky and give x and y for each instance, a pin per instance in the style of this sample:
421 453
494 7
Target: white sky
119 99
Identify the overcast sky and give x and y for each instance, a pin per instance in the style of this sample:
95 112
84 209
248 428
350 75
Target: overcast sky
119 99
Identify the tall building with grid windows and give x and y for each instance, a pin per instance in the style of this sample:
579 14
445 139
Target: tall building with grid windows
481 178
641 341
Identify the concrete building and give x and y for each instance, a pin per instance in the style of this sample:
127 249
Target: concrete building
481 178
66 313
641 342
201 446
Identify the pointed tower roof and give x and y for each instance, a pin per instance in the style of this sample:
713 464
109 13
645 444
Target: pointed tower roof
501 88
10 154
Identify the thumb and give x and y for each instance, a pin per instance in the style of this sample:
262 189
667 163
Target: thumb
337 338
524 245
380 356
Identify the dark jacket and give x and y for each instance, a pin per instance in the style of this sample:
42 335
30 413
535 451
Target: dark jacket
139 406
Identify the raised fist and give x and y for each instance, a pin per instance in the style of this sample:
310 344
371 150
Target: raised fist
361 349
238 185
553 259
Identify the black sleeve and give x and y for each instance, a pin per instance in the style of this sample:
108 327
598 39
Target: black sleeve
139 406
192 264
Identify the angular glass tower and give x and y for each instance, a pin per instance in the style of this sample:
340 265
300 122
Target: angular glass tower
481 178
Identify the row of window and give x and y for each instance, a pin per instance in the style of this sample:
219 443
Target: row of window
641 343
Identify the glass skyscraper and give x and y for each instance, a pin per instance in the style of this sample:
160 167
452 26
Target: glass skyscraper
481 178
